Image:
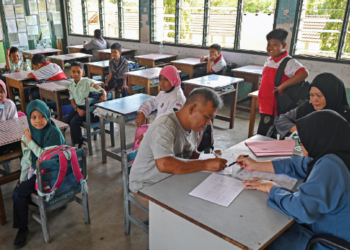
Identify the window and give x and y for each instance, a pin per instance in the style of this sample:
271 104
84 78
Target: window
204 22
116 18
75 16
323 30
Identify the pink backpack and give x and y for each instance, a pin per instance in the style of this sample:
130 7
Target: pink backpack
64 181
20 114
139 131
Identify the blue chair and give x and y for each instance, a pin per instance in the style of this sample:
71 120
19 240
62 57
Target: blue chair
128 195
330 240
95 126
61 199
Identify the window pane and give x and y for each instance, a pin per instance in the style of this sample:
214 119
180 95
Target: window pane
346 50
76 16
110 27
257 21
222 23
320 27
130 13
93 18
191 22
163 20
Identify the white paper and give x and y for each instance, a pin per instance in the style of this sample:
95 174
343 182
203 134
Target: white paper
230 157
218 189
23 39
9 11
51 5
42 6
43 18
1 30
45 32
19 10
22 26
33 7
56 17
11 26
33 30
31 20
9 1
281 179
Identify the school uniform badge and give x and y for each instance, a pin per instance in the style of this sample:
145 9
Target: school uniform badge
267 119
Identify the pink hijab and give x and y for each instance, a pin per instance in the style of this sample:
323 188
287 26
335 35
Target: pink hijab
3 85
171 73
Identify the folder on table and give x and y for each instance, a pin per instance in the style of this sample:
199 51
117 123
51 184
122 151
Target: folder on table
272 148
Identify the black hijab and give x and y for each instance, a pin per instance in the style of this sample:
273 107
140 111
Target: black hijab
334 92
324 132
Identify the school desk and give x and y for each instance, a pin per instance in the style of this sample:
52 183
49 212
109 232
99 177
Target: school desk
99 68
58 92
147 78
190 65
155 60
11 132
120 111
106 54
75 48
181 221
28 54
61 60
220 82
253 107
20 81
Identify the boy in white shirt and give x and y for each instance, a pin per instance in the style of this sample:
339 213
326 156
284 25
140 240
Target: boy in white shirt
216 62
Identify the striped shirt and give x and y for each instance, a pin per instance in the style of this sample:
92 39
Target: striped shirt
50 72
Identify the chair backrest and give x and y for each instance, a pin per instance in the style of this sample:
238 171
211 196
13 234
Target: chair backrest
126 167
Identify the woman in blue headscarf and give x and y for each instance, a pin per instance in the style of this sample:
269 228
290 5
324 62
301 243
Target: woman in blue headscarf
41 134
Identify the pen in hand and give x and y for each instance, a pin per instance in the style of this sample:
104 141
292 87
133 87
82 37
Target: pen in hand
233 163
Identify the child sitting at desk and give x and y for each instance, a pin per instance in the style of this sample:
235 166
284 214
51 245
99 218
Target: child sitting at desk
170 97
98 43
78 90
216 62
8 109
118 66
44 71
14 61
42 134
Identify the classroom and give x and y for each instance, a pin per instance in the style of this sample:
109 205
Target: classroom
175 125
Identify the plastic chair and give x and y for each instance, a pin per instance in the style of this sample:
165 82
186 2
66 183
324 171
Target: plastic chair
329 240
61 199
128 195
88 125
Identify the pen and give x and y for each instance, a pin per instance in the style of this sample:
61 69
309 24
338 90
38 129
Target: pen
233 163
216 155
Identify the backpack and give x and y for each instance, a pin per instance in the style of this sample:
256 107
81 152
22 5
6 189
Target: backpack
69 175
294 95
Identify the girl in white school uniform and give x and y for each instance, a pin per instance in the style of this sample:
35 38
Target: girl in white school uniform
8 109
170 97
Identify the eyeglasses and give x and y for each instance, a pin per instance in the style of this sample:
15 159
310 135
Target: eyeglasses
299 142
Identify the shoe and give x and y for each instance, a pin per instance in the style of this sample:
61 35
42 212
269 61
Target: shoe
21 237
81 145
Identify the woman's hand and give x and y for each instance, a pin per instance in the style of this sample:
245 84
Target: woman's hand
247 163
27 134
259 184
140 119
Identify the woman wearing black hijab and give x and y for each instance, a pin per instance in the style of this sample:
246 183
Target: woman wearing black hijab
326 92
321 205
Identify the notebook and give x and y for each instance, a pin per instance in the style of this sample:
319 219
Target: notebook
272 148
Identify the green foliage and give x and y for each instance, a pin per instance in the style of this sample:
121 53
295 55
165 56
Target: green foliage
256 6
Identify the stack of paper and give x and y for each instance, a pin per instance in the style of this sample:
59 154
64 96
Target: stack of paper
271 148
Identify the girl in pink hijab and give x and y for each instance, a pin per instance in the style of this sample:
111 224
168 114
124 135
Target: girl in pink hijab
8 109
170 97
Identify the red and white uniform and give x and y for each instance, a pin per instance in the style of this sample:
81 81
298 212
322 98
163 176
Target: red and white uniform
267 100
49 72
218 65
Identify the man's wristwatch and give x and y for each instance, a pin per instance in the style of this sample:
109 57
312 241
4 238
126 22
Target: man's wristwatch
76 108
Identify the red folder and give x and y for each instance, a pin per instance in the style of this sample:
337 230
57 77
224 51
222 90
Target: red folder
271 148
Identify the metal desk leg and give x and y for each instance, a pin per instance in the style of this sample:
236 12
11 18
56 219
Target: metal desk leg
122 134
103 139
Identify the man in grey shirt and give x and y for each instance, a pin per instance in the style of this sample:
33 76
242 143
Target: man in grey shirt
169 146
98 43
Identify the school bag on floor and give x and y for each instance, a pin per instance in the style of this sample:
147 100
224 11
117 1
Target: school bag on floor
69 174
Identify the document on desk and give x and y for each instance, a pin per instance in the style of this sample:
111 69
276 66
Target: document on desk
218 189
230 157
281 179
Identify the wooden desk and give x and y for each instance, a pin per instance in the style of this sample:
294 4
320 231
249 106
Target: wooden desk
98 68
19 81
75 48
181 221
28 54
189 65
154 60
11 131
254 106
144 78
215 80
57 92
61 60
106 54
